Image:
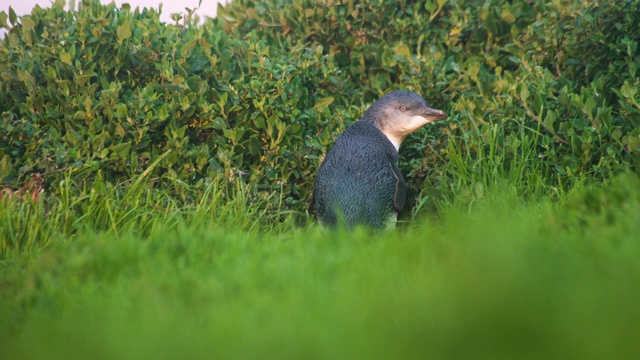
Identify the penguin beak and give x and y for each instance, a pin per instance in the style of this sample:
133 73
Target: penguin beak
434 114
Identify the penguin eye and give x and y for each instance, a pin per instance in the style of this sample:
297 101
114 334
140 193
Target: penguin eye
403 108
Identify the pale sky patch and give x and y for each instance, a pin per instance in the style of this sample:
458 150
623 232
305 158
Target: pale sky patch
208 7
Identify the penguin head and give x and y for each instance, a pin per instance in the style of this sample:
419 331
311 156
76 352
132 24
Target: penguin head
399 113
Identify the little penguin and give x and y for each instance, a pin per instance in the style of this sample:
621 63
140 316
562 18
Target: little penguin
359 181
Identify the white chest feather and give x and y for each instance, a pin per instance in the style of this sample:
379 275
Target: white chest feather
391 221
395 140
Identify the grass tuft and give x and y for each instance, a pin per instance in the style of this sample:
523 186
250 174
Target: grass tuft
504 278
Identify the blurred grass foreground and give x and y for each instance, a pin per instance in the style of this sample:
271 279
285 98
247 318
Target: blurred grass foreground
509 279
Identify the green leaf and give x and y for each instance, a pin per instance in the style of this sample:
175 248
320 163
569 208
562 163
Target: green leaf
507 16
80 115
27 26
550 119
223 100
177 80
255 145
617 134
188 48
430 6
6 168
88 104
123 32
628 91
13 18
524 93
122 149
65 58
322 103
27 79
589 105
98 184
259 122
119 130
402 50
633 144
271 172
3 20
82 79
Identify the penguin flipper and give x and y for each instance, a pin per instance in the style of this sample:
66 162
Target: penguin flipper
400 194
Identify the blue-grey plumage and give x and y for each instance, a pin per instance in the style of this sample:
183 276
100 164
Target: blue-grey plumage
359 181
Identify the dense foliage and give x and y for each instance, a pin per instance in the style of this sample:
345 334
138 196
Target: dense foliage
261 92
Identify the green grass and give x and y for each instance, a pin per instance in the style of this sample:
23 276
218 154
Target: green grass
504 278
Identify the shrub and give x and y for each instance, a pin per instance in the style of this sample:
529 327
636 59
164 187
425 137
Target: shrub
110 90
262 91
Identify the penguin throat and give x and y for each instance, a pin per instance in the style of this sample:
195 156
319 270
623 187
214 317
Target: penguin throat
395 139
394 136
